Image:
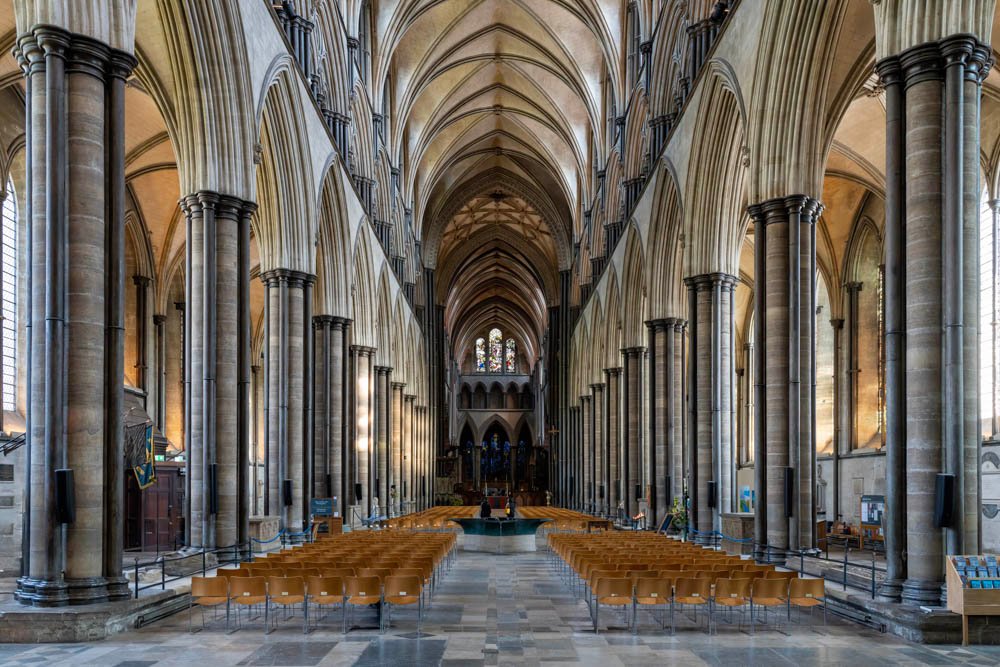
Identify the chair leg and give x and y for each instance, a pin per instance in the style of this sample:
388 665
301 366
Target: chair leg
305 616
190 605
267 626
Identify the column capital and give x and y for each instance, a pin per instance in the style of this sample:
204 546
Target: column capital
853 286
320 321
409 398
584 398
141 281
363 350
634 351
398 385
612 372
707 280
341 322
837 322
290 276
597 386
383 370
159 320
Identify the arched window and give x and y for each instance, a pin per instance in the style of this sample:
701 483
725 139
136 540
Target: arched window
480 355
864 322
365 40
510 355
989 412
8 308
496 351
633 37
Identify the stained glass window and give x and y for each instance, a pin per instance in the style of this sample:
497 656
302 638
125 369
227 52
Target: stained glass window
510 356
496 351
480 355
8 291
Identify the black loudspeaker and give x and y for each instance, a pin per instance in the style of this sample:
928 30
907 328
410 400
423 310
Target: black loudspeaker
65 496
213 488
357 493
600 492
670 486
286 493
713 493
329 485
789 492
638 491
944 501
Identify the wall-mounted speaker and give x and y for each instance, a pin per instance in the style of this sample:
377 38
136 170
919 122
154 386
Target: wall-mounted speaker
357 493
944 501
638 491
286 493
65 496
329 485
713 493
789 492
600 492
213 488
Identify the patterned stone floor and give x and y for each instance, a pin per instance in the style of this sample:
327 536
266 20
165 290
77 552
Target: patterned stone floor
506 610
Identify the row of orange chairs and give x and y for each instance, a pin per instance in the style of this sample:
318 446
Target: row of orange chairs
619 569
320 591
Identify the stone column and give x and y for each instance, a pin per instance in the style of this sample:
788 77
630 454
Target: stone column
587 454
659 431
160 400
287 292
76 233
785 241
259 447
364 473
344 407
322 406
141 317
675 388
613 451
631 411
710 297
932 195
598 447
396 432
381 451
409 450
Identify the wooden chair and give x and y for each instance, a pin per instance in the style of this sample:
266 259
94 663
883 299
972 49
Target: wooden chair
208 592
247 592
807 594
401 590
780 574
286 592
693 591
326 591
652 592
614 592
731 594
363 591
338 572
768 593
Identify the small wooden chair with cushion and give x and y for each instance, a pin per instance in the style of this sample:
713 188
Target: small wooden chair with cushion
768 593
652 592
694 591
287 592
326 591
731 594
363 592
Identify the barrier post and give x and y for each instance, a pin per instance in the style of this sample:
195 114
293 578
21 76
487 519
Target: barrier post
136 578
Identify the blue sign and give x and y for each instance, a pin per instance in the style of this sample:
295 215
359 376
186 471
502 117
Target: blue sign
322 507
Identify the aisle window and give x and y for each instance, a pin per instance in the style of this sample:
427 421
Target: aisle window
8 275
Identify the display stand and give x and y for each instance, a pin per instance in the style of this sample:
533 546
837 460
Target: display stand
973 588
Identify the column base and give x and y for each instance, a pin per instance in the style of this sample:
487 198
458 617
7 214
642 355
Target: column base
921 592
891 590
118 589
41 592
87 590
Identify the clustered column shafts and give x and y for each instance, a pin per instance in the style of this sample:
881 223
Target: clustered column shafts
587 454
322 406
631 471
410 444
75 148
785 260
290 417
710 299
364 470
396 435
612 435
598 447
382 468
666 338
931 309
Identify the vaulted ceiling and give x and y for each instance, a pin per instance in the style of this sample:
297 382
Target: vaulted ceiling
496 108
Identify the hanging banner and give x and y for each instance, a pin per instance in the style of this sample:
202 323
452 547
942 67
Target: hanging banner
145 473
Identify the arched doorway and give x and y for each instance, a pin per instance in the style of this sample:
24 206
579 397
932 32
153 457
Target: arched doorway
495 458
